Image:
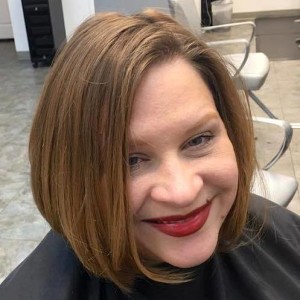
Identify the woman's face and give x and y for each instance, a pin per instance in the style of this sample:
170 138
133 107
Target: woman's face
184 173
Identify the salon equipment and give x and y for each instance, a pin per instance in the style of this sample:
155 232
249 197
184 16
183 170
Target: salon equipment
276 187
251 67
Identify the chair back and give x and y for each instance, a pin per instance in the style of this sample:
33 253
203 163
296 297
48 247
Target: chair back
276 187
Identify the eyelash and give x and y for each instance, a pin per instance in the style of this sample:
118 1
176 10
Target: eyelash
136 165
207 136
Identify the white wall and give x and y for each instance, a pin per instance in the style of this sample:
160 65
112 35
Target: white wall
198 6
18 25
5 23
75 12
129 6
245 6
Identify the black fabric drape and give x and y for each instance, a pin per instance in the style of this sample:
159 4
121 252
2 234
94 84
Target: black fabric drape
265 267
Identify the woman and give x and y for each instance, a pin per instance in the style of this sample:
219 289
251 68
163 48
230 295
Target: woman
142 155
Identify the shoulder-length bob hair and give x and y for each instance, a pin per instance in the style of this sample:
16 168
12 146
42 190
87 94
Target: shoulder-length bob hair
78 143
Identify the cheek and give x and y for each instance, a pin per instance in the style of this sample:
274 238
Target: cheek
228 174
136 192
225 186
228 165
223 168
224 175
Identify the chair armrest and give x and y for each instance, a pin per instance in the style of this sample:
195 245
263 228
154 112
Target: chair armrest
248 23
234 41
247 42
288 134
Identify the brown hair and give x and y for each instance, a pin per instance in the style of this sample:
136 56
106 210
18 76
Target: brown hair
78 143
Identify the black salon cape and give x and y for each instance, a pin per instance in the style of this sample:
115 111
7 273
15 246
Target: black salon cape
266 268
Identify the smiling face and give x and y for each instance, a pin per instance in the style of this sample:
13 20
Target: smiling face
183 171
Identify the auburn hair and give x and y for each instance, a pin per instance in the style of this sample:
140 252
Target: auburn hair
78 142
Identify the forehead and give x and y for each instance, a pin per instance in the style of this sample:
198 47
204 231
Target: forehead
171 95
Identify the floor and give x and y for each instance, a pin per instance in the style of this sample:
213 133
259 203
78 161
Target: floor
21 227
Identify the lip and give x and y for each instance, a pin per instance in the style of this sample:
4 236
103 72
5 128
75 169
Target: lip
182 225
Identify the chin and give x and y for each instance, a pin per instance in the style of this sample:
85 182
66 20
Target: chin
185 264
189 255
191 260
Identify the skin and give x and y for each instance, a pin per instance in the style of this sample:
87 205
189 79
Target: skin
180 158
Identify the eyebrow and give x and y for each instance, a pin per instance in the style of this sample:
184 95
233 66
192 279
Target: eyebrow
208 118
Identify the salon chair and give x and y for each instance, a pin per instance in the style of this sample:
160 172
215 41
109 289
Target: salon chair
276 187
251 67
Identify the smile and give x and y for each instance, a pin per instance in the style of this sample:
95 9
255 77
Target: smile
180 226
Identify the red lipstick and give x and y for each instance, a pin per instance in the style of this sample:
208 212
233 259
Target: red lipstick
180 226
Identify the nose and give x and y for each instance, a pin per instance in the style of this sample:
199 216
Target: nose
176 182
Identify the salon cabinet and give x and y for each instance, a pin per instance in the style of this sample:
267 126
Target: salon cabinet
45 29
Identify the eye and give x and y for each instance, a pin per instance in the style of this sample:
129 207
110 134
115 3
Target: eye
198 141
135 161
